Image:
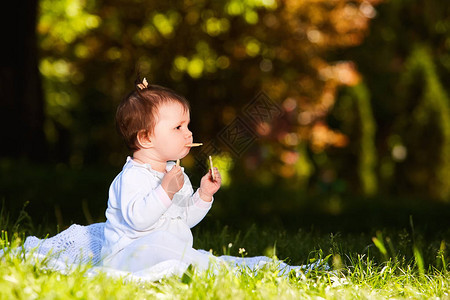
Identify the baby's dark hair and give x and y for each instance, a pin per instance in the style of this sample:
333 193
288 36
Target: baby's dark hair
138 111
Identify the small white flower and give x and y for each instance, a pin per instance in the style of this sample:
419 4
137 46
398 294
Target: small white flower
241 251
230 245
10 279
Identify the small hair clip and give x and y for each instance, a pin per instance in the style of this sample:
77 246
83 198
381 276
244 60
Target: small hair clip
143 85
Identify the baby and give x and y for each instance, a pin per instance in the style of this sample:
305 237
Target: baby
152 205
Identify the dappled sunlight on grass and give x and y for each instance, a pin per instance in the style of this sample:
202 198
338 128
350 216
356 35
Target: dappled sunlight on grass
389 268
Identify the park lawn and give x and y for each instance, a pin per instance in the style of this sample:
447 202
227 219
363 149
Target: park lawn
388 264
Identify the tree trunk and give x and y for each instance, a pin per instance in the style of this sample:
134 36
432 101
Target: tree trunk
21 97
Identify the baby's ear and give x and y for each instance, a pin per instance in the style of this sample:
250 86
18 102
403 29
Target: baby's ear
143 139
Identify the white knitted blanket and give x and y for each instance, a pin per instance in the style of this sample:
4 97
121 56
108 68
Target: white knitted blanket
81 245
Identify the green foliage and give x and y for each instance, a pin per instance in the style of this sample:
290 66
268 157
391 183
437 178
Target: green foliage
425 127
354 113
367 153
221 53
217 53
92 51
404 60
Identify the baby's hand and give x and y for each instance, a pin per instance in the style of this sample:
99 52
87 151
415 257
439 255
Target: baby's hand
173 181
208 186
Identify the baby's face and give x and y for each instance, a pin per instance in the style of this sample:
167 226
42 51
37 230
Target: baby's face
171 133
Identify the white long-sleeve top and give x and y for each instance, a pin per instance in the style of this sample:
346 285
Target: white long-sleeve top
138 206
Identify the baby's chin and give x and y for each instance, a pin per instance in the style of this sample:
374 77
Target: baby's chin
186 152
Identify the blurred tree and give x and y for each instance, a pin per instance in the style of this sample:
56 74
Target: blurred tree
354 116
64 48
406 63
424 126
217 53
21 99
299 38
351 96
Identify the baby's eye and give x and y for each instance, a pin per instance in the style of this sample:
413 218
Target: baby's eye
178 127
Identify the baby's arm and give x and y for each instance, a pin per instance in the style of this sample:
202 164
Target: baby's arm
142 202
203 197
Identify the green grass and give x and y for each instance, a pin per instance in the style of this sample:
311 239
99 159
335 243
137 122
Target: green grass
374 248
386 264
